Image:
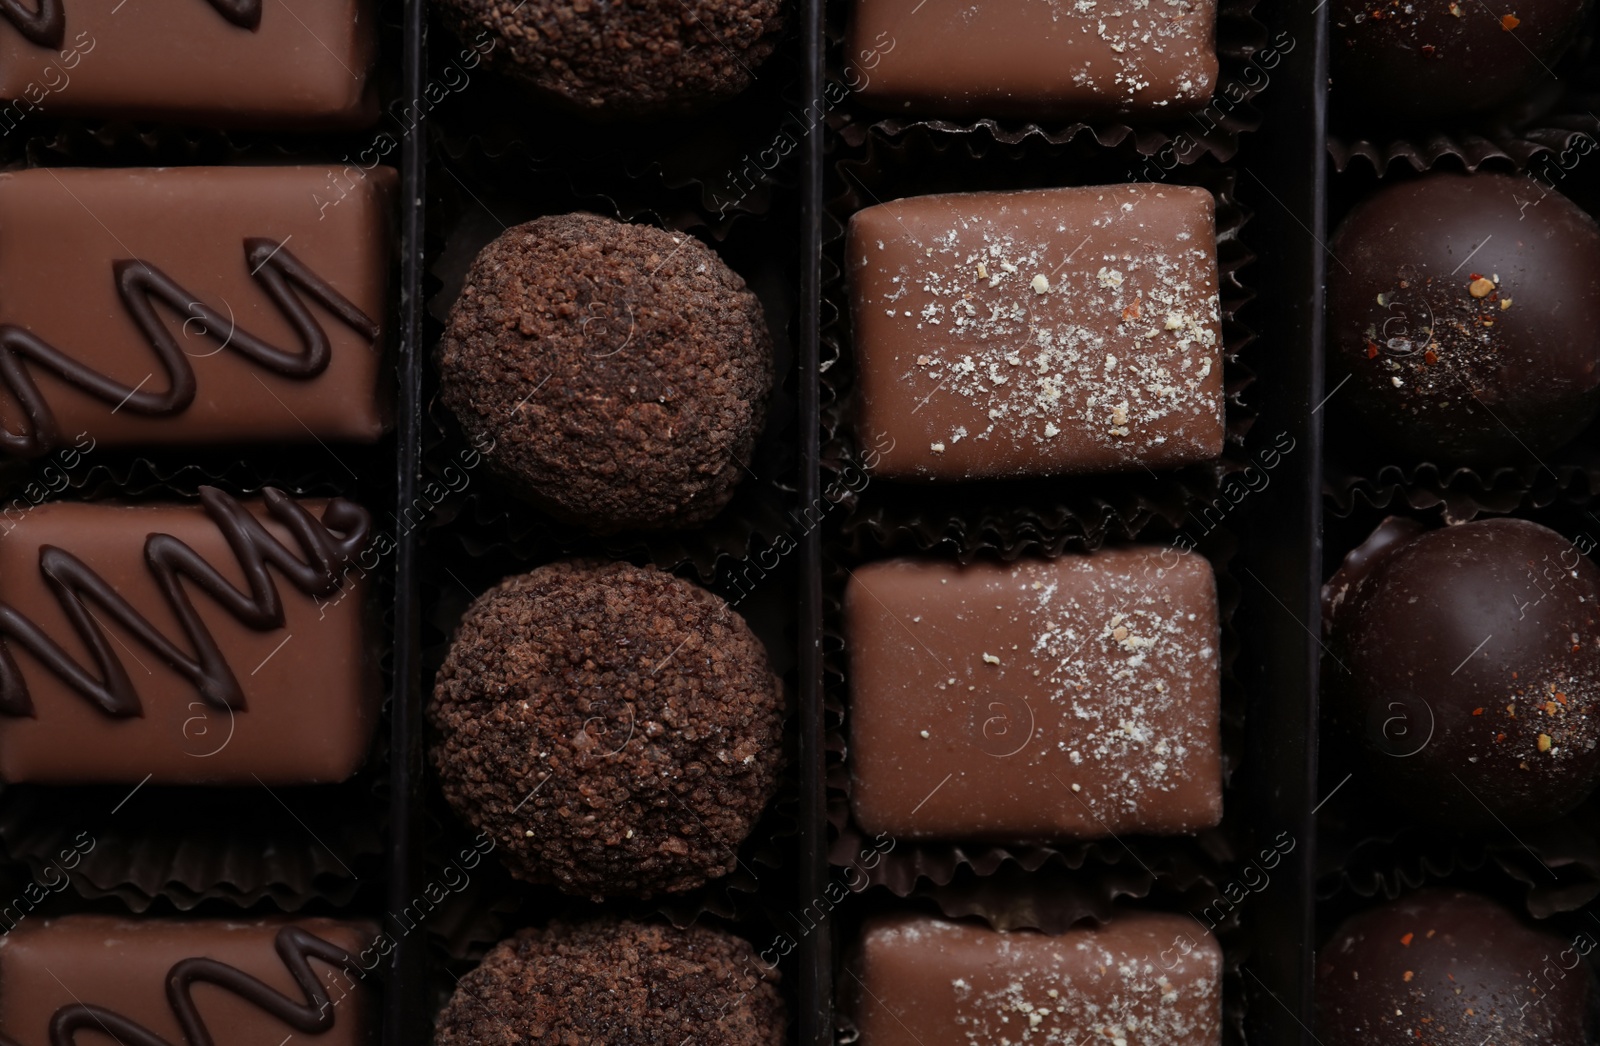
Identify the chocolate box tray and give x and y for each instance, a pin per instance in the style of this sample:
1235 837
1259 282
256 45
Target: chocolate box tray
765 183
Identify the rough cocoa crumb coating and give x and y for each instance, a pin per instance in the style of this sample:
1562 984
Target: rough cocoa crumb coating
615 982
620 372
606 58
615 729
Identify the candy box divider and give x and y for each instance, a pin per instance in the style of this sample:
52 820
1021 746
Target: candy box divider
816 957
404 1017
1283 176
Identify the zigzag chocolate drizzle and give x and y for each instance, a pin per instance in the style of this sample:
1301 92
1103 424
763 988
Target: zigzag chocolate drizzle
46 25
296 947
139 285
327 545
243 13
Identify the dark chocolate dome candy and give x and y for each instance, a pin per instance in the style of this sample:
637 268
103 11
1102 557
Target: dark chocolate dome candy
1468 665
1449 968
616 982
615 729
1433 60
1465 310
618 372
624 58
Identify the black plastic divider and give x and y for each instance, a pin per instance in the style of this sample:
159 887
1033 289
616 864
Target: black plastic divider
405 1003
816 962
1283 176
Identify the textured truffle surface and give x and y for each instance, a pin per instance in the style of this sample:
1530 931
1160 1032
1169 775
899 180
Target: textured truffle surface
633 58
1468 664
615 729
620 372
1450 968
615 982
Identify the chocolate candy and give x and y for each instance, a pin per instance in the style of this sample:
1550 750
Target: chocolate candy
1401 60
191 305
1056 59
624 60
223 63
619 372
1466 662
1072 698
638 983
1038 333
1451 968
1464 311
224 642
615 729
1143 977
81 977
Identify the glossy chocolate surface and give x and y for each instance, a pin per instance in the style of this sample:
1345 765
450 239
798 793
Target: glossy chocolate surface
1143 977
1465 312
205 982
1402 60
221 63
1451 968
1037 333
217 643
191 305
1071 698
1044 59
1465 661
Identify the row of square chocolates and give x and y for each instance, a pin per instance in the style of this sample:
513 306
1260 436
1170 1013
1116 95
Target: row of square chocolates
227 641
1049 700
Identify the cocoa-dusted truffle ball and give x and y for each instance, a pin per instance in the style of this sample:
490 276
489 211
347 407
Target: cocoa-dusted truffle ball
1450 968
615 982
615 729
609 59
1424 60
1465 312
1467 664
620 372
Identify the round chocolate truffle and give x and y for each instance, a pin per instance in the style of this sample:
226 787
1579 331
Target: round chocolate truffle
619 372
1433 60
615 729
1465 312
607 59
1466 660
1450 968
616 982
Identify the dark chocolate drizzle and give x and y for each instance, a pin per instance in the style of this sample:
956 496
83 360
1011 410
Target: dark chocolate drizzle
140 285
243 13
296 947
45 25
328 545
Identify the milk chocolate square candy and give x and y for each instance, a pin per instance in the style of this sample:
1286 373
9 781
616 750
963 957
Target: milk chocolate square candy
1041 700
1038 59
1143 977
191 306
1037 333
235 982
280 64
221 643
